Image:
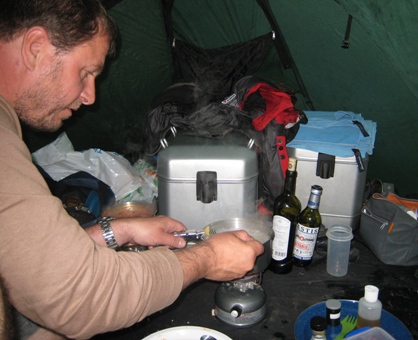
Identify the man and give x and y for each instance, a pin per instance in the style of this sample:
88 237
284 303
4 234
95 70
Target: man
5 315
58 275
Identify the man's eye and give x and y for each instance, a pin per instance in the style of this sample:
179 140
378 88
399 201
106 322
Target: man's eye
87 74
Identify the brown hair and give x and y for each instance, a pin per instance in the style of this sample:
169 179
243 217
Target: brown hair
68 22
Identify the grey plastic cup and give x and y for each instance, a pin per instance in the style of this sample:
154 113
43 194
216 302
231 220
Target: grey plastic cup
338 251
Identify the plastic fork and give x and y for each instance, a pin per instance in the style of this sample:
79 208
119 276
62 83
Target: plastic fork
348 324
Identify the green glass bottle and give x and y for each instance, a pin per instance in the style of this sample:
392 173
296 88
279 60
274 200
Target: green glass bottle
308 229
285 218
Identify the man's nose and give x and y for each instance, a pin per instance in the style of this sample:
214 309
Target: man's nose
88 96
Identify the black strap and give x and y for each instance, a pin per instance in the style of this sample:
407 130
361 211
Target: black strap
346 41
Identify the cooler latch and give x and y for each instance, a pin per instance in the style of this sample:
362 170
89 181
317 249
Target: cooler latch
206 186
325 165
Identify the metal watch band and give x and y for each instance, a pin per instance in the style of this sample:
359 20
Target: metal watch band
108 232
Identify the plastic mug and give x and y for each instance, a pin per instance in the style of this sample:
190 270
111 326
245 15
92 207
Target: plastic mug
338 252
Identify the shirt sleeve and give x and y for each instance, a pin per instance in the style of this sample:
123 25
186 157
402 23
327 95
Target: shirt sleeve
55 274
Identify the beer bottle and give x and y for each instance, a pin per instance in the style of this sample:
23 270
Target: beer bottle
307 229
285 217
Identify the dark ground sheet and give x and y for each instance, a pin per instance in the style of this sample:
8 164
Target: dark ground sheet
289 295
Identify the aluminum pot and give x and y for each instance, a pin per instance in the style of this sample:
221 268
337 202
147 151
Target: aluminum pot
261 230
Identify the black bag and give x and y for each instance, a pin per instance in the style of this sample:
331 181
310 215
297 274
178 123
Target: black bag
83 196
191 112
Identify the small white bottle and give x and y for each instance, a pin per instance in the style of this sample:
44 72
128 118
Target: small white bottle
369 308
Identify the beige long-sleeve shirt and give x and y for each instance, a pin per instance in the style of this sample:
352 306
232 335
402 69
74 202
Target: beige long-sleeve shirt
55 274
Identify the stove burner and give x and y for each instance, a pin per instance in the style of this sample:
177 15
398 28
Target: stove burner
245 283
241 302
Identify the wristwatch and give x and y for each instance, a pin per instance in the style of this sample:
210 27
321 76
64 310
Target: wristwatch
108 232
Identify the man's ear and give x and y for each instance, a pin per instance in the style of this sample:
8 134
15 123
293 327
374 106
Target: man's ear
35 46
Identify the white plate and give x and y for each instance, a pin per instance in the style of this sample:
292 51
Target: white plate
186 333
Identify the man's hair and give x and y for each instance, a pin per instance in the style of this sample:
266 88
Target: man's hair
68 22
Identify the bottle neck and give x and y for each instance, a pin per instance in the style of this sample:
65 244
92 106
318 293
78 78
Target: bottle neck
318 335
290 182
314 199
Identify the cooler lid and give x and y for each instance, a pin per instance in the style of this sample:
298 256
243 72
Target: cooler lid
228 156
312 156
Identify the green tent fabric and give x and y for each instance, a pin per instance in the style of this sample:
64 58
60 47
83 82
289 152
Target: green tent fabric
376 76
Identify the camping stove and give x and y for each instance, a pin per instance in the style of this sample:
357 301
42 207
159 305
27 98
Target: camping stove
241 302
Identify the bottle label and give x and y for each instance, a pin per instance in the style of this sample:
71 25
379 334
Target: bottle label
313 204
281 228
305 240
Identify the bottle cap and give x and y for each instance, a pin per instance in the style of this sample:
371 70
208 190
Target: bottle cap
333 305
316 189
318 323
333 312
292 164
371 293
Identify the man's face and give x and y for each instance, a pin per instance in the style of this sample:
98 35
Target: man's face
63 85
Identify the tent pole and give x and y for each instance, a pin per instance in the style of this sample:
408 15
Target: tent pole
283 50
167 7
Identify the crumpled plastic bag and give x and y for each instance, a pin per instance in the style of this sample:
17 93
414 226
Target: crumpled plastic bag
149 189
129 183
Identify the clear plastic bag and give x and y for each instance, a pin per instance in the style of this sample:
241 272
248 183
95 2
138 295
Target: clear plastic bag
129 183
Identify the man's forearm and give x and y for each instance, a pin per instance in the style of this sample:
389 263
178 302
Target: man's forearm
195 261
118 228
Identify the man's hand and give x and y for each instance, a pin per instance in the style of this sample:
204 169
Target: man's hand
153 231
223 257
146 231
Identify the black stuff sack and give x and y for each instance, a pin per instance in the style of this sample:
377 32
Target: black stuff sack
83 195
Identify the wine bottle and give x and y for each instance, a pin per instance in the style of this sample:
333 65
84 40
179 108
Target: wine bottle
307 229
286 211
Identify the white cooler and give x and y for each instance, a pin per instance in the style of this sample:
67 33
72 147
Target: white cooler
343 186
203 180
